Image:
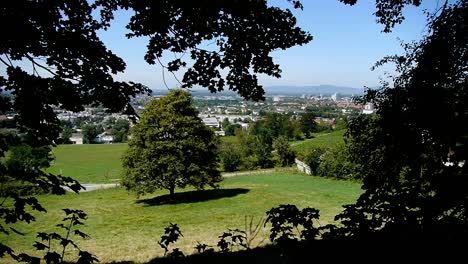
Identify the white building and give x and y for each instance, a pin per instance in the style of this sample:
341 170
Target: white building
334 97
104 138
277 98
211 122
77 138
368 109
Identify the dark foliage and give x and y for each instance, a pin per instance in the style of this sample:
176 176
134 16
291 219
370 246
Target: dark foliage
287 220
171 234
73 219
242 35
389 12
412 156
70 66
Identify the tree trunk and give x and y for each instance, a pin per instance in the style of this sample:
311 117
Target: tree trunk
171 190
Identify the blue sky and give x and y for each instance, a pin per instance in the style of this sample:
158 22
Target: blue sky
347 42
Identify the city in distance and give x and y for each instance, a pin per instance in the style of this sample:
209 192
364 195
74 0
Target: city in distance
288 90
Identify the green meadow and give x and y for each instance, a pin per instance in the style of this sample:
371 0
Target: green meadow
123 227
319 140
89 163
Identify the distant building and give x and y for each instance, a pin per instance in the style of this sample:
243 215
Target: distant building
348 105
334 97
277 99
280 110
245 125
220 133
368 109
76 138
211 122
104 138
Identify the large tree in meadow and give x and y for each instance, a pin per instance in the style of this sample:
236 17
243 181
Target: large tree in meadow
170 147
51 56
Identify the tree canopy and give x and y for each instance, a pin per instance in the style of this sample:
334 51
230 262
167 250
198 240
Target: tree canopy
59 60
389 12
412 155
170 147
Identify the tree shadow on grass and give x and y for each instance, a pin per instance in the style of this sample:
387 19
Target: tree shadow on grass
193 196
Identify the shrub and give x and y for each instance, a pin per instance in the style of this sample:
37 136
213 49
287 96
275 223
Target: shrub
231 156
313 159
335 163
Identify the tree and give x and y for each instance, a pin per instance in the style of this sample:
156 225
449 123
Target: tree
293 129
313 159
120 130
412 155
90 132
283 151
243 34
335 162
308 124
66 135
231 156
262 150
389 12
230 129
275 124
26 158
170 147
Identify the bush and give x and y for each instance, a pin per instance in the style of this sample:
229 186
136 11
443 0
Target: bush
313 159
13 188
335 163
284 152
249 163
231 156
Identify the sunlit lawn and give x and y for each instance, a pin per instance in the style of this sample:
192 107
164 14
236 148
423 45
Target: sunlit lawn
125 228
320 140
89 163
101 163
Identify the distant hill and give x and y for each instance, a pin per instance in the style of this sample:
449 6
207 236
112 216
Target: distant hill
311 90
282 90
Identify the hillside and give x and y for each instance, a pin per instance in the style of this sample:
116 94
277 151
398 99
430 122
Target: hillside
320 140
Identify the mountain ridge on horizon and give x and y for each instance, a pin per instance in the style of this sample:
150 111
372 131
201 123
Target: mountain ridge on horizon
313 89
324 89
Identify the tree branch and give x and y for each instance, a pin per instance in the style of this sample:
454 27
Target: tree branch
4 62
39 65
163 67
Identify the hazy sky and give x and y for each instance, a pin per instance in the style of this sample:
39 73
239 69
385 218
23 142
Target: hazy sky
347 42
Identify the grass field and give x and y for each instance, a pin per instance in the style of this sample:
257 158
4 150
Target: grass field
93 163
97 163
320 140
125 228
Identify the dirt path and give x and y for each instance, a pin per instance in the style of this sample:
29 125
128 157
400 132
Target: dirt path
97 186
240 173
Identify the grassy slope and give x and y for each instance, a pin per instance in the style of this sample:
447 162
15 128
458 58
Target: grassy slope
122 229
320 140
102 164
89 163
